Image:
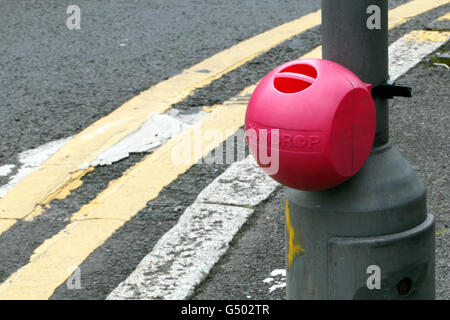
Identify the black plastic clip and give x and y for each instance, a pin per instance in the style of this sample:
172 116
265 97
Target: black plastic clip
389 90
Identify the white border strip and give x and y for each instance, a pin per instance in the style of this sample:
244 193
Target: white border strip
186 253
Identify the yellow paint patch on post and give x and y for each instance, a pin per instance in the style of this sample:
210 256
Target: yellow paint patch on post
405 12
294 246
428 36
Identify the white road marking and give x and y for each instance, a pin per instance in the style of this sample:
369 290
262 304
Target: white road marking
32 159
107 126
409 50
277 286
240 185
149 136
183 257
278 272
196 114
278 277
185 254
6 170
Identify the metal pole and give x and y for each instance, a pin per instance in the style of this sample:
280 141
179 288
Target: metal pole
370 237
348 41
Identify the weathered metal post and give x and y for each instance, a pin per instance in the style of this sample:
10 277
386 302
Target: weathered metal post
370 237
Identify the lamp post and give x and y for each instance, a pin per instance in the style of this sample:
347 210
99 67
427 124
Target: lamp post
371 236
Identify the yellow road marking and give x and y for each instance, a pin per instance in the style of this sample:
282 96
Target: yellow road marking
402 14
442 23
61 193
428 36
48 181
294 246
315 53
123 198
98 220
31 282
444 17
405 12
5 224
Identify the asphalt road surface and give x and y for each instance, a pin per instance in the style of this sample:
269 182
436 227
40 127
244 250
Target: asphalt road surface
55 82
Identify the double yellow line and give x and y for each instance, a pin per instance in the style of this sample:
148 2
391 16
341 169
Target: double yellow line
124 197
60 174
